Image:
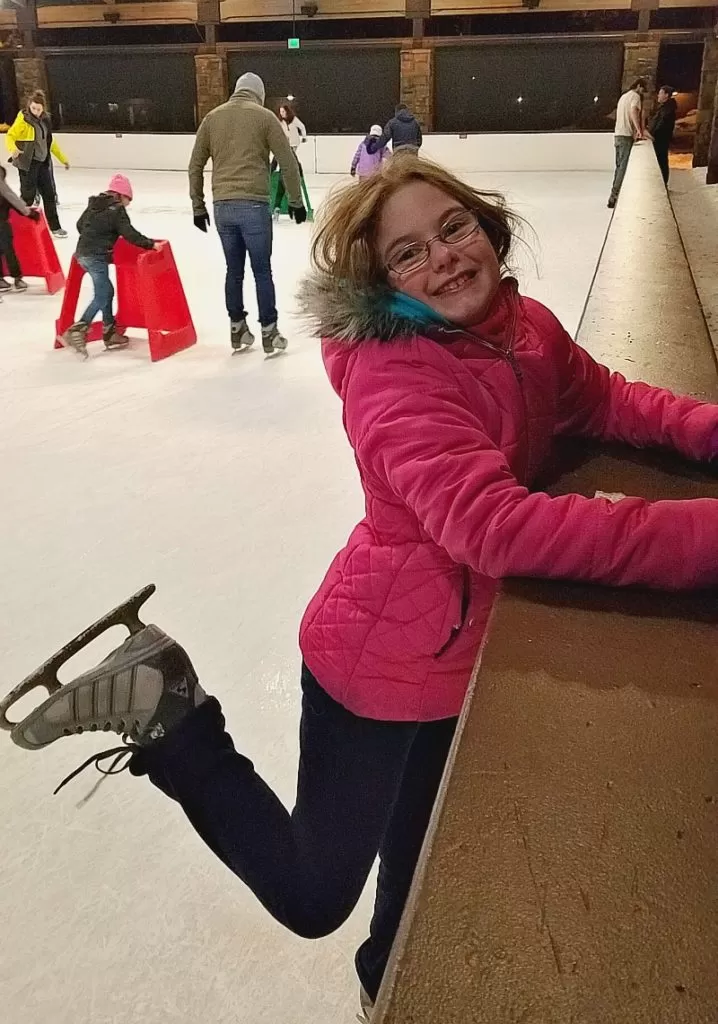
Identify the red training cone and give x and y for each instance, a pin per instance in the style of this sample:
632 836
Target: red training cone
35 250
149 295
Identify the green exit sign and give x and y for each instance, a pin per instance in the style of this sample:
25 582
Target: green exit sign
293 43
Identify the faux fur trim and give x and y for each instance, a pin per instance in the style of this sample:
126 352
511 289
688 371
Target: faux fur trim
337 310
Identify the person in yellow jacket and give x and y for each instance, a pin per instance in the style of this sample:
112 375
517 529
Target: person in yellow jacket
32 147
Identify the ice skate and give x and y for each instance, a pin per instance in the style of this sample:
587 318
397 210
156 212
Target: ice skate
5 286
60 233
114 338
141 690
241 336
75 337
20 285
273 341
367 1008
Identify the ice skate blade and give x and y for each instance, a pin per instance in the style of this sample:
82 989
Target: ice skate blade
126 614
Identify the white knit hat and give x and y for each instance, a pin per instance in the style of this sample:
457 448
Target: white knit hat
375 129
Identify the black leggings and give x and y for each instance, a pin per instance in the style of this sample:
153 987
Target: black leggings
7 252
364 788
38 179
662 150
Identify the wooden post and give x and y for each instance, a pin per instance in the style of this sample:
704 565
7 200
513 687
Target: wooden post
712 173
706 97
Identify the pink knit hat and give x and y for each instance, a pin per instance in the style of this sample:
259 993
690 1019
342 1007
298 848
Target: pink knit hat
121 185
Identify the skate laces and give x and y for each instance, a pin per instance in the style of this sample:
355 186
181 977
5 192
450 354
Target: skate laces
120 762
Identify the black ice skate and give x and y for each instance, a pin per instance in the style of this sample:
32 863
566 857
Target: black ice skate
241 336
272 340
141 690
114 338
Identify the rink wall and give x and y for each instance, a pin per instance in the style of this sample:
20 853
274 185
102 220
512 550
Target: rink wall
332 154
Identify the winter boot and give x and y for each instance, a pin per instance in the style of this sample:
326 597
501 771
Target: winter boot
141 690
20 285
76 337
241 336
114 338
272 340
5 286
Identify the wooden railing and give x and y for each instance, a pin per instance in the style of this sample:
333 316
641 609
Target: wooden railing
569 873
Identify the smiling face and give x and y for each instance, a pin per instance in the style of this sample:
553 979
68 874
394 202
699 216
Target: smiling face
458 280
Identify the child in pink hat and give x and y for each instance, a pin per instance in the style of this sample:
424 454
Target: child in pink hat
103 222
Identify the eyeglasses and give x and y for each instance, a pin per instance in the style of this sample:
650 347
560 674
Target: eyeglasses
457 229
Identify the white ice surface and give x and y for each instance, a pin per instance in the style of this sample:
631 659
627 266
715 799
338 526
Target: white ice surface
229 483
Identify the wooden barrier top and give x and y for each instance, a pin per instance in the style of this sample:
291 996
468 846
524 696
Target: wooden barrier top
570 873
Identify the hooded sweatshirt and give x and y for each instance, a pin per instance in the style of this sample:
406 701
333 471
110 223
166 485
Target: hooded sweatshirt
103 222
368 157
239 137
9 199
402 130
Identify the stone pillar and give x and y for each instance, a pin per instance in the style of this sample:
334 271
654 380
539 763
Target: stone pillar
712 174
211 77
30 74
417 84
640 60
706 98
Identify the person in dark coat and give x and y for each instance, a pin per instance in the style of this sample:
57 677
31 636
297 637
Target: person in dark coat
9 200
403 131
661 126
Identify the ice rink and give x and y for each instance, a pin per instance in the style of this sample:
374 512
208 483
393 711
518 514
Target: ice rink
229 483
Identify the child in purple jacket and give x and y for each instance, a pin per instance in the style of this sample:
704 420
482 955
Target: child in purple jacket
369 156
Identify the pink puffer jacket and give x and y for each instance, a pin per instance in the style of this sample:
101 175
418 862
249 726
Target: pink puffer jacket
449 431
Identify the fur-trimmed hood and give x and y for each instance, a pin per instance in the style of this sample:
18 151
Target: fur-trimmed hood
340 311
337 310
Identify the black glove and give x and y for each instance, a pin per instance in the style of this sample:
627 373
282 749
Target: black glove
33 214
201 221
297 213
353 172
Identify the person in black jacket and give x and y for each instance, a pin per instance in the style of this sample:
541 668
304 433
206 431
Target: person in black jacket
403 131
9 200
661 126
103 222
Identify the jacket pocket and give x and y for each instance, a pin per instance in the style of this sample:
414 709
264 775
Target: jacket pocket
457 628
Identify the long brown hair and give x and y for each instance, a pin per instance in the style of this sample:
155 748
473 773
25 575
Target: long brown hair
344 242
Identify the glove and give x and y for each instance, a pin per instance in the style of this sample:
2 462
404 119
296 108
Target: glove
34 214
201 221
353 172
298 213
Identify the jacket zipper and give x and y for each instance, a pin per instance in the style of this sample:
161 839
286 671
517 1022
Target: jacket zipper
465 605
509 356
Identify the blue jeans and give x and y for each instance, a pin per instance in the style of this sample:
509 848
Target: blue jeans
245 226
623 146
99 270
364 787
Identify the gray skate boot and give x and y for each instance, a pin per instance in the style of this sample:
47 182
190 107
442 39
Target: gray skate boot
272 340
75 337
141 690
241 336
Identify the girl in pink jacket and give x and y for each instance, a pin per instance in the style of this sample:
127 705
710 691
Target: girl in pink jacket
453 387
